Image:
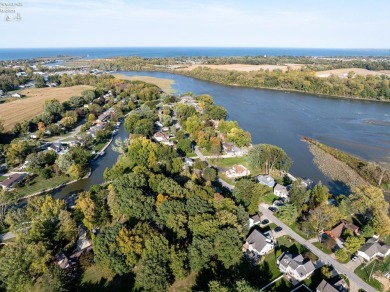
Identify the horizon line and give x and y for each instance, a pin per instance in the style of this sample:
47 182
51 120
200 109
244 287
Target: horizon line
200 47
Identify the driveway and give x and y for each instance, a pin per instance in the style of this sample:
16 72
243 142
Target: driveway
324 258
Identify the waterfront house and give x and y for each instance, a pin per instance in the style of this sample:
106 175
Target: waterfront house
259 243
13 179
237 171
295 267
266 180
281 191
228 148
307 183
374 248
188 161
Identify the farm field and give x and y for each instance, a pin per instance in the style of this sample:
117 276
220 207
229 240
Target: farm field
343 73
32 103
164 84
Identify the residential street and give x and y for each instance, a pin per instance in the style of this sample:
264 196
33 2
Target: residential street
326 259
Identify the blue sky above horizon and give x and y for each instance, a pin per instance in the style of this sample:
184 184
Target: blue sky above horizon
190 23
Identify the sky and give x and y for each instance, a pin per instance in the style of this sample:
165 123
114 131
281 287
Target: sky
190 23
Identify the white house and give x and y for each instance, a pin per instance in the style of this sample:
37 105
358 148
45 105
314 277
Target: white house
259 243
254 220
17 95
280 191
159 137
295 267
373 248
237 171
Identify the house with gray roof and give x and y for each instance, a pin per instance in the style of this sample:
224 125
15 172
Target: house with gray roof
266 180
373 248
336 285
280 191
259 243
13 179
254 220
295 267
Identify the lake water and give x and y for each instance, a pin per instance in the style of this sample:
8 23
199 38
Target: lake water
156 52
281 118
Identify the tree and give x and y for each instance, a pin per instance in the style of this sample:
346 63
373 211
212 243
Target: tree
327 272
209 174
269 157
77 101
367 231
342 255
323 217
287 213
64 162
353 243
218 113
53 107
67 228
248 193
91 118
184 146
68 122
319 195
108 253
1 126
240 137
153 268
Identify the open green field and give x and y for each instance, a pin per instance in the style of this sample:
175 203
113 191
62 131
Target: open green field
39 184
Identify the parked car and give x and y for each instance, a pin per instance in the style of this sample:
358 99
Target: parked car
272 209
354 258
278 229
265 222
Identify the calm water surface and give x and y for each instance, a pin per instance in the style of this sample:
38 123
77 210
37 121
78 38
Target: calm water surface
276 117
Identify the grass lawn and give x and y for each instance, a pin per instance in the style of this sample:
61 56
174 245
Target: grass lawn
322 247
40 184
2 178
286 243
184 285
294 227
99 146
269 198
97 279
192 154
229 162
270 263
364 272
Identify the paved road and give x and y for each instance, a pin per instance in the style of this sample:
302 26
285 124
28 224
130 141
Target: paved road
327 259
221 181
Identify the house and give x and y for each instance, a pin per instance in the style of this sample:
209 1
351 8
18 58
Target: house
58 148
1 92
339 229
254 220
336 285
295 267
94 129
259 243
266 180
280 191
61 260
228 148
307 183
373 248
104 117
237 171
158 124
159 137
12 179
17 95
188 161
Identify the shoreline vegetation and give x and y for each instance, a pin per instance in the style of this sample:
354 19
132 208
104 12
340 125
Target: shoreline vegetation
305 79
351 170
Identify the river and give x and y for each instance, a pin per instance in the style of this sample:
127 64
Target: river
281 118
